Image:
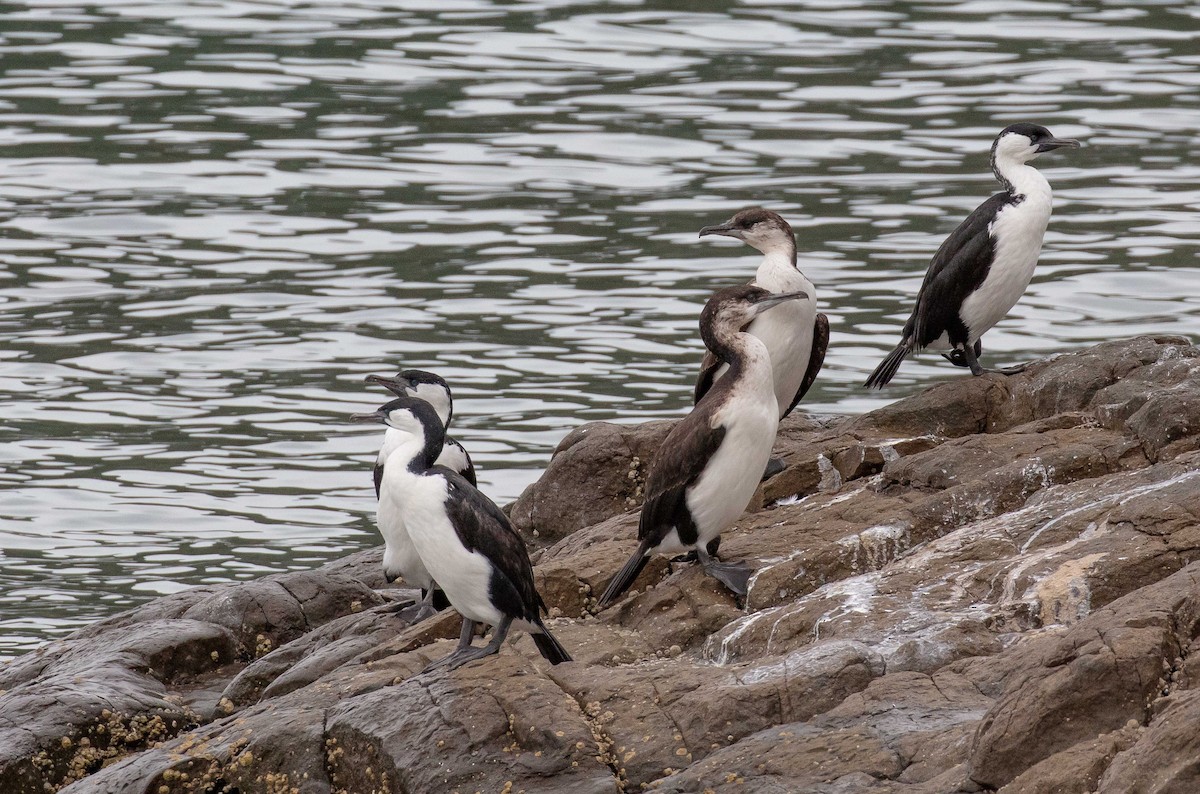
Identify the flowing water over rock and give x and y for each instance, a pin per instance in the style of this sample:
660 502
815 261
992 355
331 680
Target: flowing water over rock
215 218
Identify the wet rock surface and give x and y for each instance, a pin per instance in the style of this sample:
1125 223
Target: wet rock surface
993 585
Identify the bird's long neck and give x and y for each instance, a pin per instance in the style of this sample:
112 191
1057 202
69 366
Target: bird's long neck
736 348
445 409
1019 178
439 397
777 266
415 453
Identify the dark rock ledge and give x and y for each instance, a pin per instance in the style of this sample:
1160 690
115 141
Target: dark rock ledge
992 585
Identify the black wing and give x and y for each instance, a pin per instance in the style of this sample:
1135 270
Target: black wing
957 269
679 462
816 357
378 474
483 527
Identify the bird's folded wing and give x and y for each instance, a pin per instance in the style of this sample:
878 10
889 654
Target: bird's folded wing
483 527
957 269
680 461
816 357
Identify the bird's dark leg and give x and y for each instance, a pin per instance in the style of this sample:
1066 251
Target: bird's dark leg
464 646
422 609
734 575
957 358
972 357
469 654
712 547
968 352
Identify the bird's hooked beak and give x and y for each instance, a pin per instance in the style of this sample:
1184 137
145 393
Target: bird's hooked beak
726 229
397 386
1057 143
375 416
771 301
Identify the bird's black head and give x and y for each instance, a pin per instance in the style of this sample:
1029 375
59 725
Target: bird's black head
1024 141
731 309
414 417
761 228
427 386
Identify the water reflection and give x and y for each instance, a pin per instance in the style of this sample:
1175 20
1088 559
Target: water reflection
217 217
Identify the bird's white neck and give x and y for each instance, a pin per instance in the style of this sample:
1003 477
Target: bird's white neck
777 263
407 454
1021 178
438 397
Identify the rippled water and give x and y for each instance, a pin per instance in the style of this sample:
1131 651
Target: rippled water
217 217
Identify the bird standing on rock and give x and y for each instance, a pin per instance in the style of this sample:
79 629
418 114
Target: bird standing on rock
400 558
463 539
984 266
708 466
795 334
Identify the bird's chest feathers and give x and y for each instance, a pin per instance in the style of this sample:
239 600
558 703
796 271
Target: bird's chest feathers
400 557
1017 234
420 501
777 273
463 575
786 330
392 439
750 418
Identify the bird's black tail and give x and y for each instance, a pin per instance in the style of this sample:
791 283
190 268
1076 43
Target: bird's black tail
551 649
624 578
887 368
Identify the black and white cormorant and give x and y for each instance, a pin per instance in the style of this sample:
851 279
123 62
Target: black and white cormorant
706 470
400 559
463 539
795 334
433 389
984 266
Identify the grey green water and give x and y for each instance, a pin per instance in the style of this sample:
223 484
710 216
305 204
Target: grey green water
217 217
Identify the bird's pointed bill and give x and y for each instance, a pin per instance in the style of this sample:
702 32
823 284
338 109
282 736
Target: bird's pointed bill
374 416
774 300
397 386
1058 143
726 229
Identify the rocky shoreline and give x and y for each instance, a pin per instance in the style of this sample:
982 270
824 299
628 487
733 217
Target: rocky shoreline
991 585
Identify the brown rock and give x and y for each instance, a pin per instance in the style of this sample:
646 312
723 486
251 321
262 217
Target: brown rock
990 583
482 729
1164 756
1094 679
596 472
1076 770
